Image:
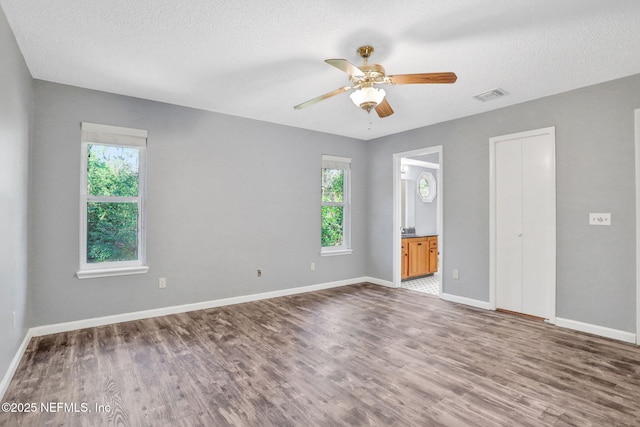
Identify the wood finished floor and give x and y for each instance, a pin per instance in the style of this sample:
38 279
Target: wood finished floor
350 356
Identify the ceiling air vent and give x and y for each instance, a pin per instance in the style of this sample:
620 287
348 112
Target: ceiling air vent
491 95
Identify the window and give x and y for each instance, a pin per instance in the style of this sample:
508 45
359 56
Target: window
336 206
427 187
112 201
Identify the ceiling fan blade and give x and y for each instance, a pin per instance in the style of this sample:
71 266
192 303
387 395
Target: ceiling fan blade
322 97
406 79
346 66
384 109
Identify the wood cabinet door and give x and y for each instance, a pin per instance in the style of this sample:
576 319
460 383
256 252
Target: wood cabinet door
433 254
423 258
433 260
405 259
418 257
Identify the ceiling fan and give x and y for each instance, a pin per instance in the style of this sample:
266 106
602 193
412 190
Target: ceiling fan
366 76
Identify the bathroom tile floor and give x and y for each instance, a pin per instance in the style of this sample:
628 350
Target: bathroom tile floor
427 284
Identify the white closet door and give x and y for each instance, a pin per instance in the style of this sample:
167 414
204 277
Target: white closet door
525 224
538 226
509 225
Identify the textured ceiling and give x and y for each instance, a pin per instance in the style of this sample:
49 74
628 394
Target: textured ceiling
258 59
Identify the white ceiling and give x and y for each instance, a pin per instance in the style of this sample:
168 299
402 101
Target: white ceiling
258 59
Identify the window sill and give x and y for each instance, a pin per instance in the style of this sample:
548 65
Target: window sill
108 272
337 252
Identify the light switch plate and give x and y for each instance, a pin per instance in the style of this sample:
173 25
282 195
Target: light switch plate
599 219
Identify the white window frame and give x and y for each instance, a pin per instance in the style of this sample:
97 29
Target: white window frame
93 133
344 163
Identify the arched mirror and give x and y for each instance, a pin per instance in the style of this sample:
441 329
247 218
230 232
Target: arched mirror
426 186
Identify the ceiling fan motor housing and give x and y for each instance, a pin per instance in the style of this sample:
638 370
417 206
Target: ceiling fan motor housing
373 73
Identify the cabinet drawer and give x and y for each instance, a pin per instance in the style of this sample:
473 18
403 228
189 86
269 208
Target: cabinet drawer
433 243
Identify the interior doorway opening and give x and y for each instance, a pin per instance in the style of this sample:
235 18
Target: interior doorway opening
417 221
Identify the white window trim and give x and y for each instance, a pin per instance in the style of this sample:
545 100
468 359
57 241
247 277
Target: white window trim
344 163
335 252
93 133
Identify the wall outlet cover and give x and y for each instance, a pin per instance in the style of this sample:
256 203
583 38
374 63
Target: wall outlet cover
600 219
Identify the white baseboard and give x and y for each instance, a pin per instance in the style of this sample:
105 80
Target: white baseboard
602 331
4 385
615 334
466 301
380 282
164 311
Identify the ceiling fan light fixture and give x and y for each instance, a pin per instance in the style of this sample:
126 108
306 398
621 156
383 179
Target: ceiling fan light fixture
366 76
367 97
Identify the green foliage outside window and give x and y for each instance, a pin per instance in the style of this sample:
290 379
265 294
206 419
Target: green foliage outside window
423 188
112 226
112 232
332 215
332 225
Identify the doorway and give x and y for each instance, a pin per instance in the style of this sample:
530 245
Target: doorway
523 223
418 214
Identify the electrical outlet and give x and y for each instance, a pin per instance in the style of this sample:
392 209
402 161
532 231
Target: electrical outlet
259 272
313 266
600 219
456 273
162 282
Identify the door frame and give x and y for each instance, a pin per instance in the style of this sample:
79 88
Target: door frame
637 170
397 211
551 131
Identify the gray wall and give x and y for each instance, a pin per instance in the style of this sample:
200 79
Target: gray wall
226 195
595 173
16 96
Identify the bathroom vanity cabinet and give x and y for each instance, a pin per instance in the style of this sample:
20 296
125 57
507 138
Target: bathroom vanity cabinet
419 256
